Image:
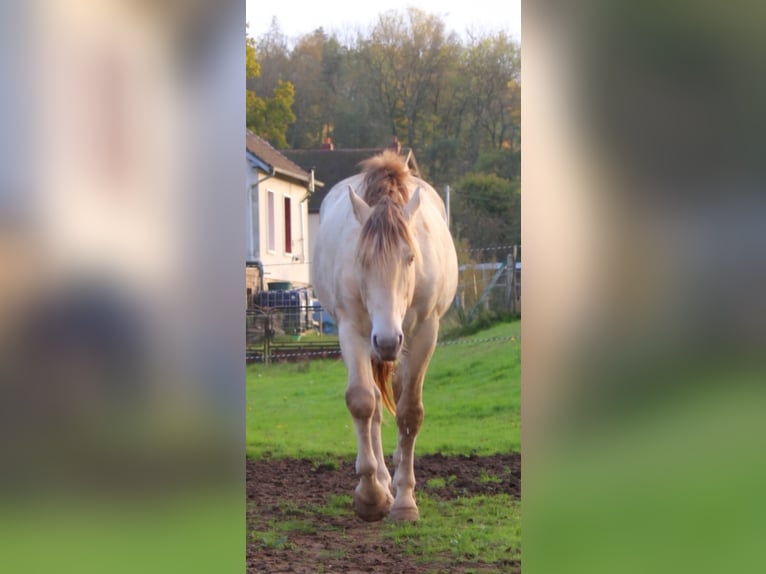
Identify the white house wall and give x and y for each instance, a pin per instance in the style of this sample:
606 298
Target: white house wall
252 240
313 228
280 265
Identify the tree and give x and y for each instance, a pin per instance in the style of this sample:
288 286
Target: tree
358 121
315 67
487 210
492 75
504 162
269 117
407 57
252 67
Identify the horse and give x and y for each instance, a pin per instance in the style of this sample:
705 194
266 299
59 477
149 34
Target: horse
385 268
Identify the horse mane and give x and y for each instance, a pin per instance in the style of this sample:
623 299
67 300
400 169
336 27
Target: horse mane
385 184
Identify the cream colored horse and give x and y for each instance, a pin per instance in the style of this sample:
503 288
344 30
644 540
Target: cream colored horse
384 266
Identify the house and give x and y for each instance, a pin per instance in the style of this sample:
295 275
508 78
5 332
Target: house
333 165
278 192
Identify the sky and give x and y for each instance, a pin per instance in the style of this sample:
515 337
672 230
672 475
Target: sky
298 18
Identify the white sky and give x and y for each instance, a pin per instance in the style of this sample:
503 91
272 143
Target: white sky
302 17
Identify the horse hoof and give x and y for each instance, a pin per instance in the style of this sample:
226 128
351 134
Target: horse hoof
405 514
372 511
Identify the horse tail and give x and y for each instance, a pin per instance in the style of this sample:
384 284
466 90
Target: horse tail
382 372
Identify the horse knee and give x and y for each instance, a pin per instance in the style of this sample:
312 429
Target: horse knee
410 418
360 401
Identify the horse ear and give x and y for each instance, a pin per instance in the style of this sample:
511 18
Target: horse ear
361 209
412 205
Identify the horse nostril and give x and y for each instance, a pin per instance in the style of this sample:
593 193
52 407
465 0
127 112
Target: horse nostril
400 339
375 340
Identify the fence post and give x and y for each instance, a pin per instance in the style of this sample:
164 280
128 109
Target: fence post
266 340
447 206
510 273
512 259
516 280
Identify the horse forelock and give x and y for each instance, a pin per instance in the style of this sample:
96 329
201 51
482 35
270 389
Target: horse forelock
385 176
382 234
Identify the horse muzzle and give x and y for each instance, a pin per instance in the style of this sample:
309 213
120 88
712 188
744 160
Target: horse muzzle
387 348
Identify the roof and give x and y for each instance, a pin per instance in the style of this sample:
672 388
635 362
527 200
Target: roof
332 166
275 161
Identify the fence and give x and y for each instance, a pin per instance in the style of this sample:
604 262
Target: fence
276 335
289 333
493 285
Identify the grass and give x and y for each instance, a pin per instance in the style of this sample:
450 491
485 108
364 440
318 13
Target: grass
456 323
271 539
487 478
471 395
486 528
328 464
436 483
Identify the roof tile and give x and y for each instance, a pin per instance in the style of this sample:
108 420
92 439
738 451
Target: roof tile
269 155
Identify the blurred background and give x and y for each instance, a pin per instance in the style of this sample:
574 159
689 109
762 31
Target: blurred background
645 262
121 371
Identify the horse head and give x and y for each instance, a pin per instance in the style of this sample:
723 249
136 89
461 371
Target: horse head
387 259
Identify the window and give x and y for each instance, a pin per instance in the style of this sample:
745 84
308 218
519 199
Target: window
270 224
288 226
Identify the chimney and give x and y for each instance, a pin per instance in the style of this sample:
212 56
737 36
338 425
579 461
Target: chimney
328 145
395 145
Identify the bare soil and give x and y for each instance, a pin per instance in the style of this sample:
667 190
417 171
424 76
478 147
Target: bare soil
279 491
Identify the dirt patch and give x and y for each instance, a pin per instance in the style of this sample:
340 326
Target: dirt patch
286 492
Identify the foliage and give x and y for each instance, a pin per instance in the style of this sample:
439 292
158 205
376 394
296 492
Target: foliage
487 210
504 162
407 56
269 117
252 67
492 74
407 75
298 414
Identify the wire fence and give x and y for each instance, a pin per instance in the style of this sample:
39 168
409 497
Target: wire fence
301 333
490 249
490 286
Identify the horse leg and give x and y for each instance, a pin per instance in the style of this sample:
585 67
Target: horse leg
384 477
409 417
397 388
371 500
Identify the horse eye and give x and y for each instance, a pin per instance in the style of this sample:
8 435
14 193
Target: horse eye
410 259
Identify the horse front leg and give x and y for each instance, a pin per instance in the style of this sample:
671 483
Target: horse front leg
409 418
372 499
384 477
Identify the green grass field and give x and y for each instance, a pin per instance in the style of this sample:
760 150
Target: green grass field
472 398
